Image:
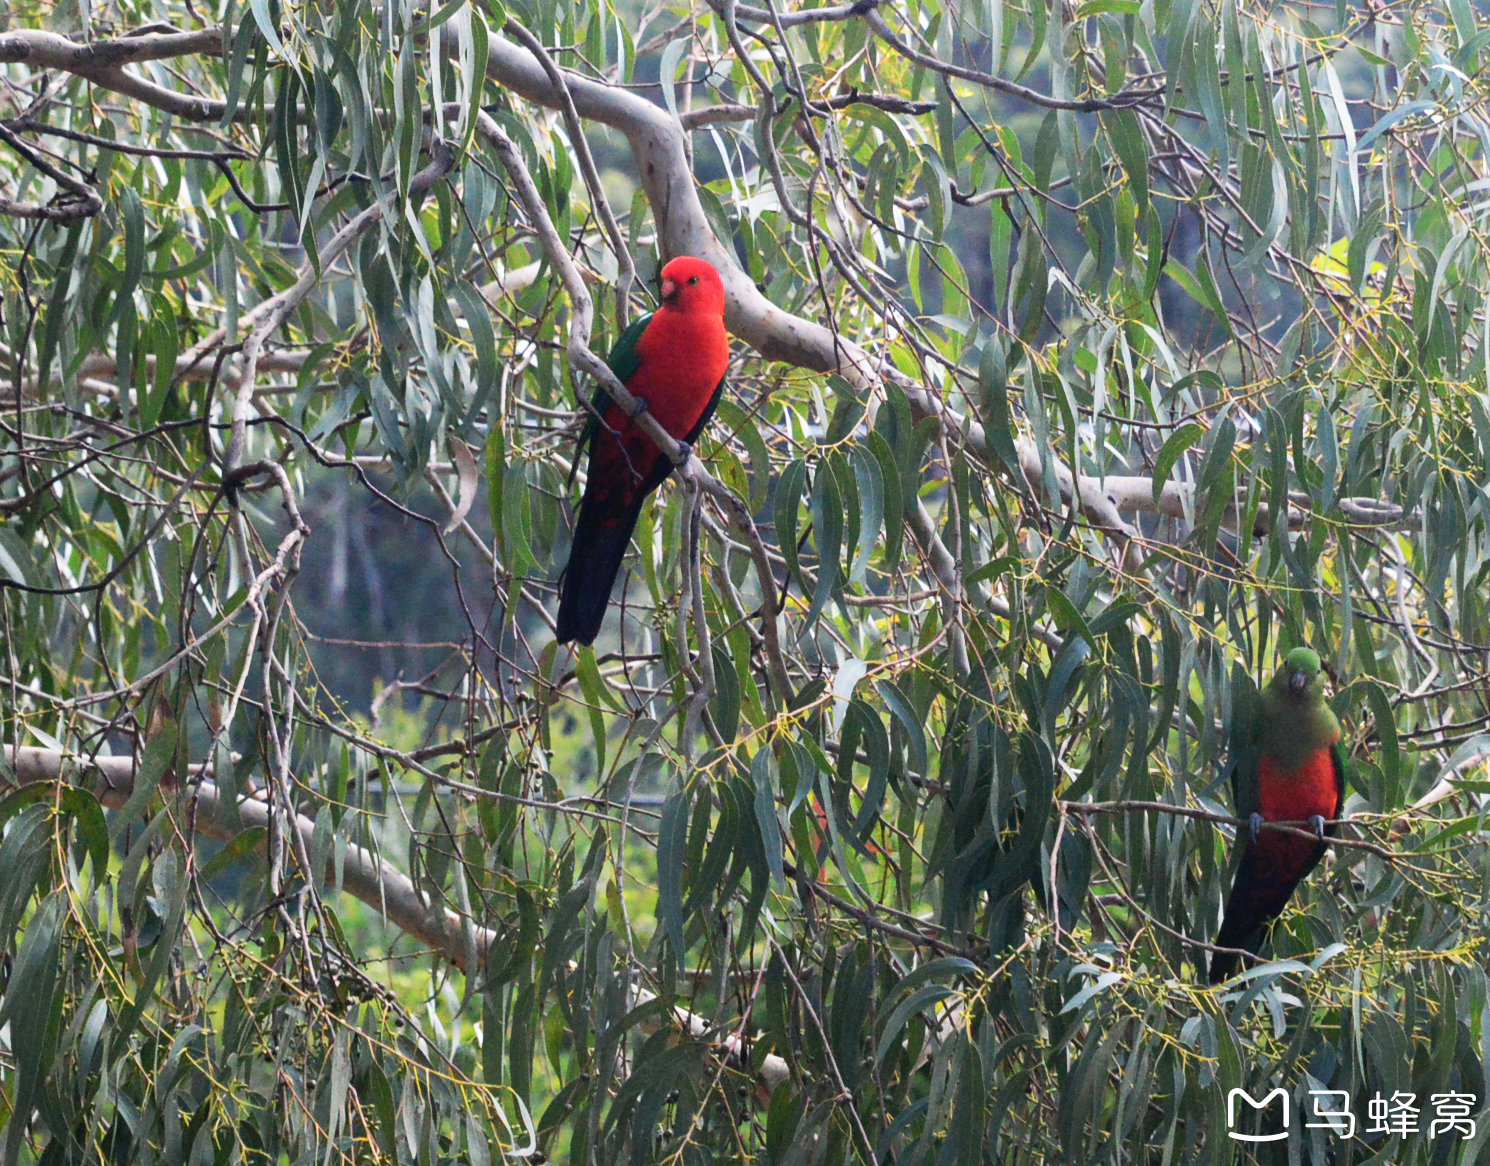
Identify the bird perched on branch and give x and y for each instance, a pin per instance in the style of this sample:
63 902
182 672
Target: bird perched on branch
674 361
1289 768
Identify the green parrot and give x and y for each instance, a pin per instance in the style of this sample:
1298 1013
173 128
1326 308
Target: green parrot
1289 768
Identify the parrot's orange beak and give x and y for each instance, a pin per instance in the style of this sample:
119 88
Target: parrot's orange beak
669 290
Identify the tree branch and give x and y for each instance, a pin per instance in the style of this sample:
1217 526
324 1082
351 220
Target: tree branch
101 62
51 50
365 876
362 874
658 146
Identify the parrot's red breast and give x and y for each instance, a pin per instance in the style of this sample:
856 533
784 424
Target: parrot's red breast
1310 788
1279 860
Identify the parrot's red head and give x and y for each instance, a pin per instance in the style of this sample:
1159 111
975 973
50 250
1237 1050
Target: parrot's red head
692 285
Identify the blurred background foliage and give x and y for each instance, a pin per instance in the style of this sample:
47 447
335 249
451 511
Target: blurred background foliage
1177 311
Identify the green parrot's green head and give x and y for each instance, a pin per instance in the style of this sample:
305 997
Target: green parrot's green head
1294 719
1302 677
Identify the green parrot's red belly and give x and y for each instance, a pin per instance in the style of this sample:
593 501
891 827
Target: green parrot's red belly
1296 796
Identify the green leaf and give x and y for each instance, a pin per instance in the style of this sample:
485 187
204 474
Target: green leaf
870 480
737 421
1199 286
1126 135
1387 750
1207 77
593 688
132 216
483 340
1067 618
1096 7
58 315
1027 308
160 752
1172 450
268 26
667 71
789 490
905 714
918 1002
893 498
244 843
827 526
763 781
672 837
871 736
93 830
516 521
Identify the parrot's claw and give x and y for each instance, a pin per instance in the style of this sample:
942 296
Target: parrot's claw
1254 821
685 451
641 406
1317 822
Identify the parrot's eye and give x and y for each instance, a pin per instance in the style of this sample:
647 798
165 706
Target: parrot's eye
692 279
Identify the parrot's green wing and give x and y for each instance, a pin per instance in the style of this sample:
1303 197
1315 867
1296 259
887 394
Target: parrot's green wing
1243 746
1342 770
1244 785
623 361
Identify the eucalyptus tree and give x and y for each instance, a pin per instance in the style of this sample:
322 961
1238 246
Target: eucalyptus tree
1089 356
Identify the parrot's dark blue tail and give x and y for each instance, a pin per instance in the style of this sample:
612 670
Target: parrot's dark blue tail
1261 890
1243 927
595 555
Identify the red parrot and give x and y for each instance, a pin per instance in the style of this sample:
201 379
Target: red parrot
1291 768
674 360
